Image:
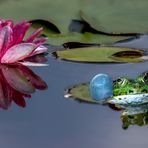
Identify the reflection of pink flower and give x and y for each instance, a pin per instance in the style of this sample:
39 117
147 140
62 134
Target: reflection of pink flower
16 83
13 47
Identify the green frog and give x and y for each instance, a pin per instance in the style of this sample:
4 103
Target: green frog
125 86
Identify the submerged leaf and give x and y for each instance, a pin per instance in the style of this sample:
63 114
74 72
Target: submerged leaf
99 54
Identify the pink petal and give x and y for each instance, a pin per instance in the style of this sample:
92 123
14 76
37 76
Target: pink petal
19 31
7 23
40 40
17 80
39 50
1 21
18 52
5 38
34 35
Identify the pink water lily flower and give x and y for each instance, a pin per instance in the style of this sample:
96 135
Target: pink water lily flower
13 46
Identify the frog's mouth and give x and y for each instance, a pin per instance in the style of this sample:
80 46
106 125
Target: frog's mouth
115 103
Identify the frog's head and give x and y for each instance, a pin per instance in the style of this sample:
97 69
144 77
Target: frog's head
121 82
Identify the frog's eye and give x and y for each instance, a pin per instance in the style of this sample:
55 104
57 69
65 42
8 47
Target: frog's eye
118 81
145 77
121 81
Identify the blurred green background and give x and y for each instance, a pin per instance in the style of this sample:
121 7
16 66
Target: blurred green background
105 15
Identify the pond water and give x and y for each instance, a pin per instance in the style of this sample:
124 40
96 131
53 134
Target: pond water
50 120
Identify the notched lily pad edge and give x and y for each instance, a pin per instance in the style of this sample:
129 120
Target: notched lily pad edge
47 24
85 19
84 26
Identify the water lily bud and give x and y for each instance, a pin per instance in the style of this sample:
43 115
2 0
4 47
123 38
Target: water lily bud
101 87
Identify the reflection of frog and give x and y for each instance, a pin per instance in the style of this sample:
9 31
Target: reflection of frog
138 119
135 116
124 86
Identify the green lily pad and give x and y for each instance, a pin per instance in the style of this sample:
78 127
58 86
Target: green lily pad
80 92
111 16
117 16
57 38
56 11
100 54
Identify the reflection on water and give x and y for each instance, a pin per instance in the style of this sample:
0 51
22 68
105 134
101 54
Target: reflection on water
18 82
135 116
135 108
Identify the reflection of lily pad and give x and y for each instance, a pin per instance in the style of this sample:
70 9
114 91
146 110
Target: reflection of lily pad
99 54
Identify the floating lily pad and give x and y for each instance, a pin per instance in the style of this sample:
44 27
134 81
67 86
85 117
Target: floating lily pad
90 26
100 54
83 38
81 93
56 11
126 16
117 16
57 38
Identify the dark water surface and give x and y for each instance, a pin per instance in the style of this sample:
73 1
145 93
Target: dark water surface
51 121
